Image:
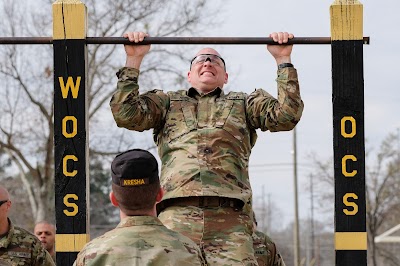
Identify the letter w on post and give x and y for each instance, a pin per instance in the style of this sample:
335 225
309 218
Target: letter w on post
70 84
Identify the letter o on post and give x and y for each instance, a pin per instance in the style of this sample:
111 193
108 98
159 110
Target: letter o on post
343 127
74 126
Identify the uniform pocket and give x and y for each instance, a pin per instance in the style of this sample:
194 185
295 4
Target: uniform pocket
180 120
233 120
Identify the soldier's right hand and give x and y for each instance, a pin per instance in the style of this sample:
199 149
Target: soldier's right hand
136 50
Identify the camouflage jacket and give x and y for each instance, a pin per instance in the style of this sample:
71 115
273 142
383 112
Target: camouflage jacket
204 140
19 247
140 240
265 250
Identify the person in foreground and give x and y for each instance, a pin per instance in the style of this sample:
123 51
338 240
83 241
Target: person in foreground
140 238
46 233
17 245
204 138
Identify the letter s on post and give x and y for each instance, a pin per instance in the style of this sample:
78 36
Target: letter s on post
70 205
350 204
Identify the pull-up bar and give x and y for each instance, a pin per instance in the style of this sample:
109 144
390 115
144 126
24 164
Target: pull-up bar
176 40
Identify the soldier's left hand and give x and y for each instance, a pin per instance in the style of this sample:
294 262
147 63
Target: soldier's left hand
281 52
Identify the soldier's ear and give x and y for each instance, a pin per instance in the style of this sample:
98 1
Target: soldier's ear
160 195
113 200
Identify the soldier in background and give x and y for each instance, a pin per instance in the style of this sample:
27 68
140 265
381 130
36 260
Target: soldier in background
46 233
265 249
204 138
140 238
18 246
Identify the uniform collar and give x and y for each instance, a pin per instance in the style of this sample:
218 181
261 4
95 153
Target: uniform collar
139 220
192 92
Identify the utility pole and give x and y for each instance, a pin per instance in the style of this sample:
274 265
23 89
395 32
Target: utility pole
269 215
398 143
296 240
312 218
263 211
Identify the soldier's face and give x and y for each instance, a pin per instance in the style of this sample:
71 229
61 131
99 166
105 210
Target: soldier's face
4 210
209 72
46 234
5 205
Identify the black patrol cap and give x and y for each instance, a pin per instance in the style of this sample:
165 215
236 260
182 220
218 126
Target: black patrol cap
134 168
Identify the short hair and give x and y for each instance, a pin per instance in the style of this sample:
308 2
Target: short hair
45 222
134 199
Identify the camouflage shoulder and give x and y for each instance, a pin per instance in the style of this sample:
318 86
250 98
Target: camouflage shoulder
24 238
259 93
22 235
237 95
157 95
177 94
157 91
269 240
190 246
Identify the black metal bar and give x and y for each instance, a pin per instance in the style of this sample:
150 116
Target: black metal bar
208 40
26 40
174 40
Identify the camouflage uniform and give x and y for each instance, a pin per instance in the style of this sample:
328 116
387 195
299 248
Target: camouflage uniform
223 233
140 240
204 140
265 250
19 247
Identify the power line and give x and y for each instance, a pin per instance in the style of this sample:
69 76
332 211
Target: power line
280 164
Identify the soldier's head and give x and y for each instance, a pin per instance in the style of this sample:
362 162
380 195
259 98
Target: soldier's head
46 232
135 182
207 71
5 205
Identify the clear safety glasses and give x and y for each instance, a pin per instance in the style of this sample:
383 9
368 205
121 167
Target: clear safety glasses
214 60
2 202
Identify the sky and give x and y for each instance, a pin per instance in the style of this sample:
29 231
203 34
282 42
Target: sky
250 67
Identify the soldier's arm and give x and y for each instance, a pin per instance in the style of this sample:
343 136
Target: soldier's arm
137 111
281 114
80 259
196 258
44 259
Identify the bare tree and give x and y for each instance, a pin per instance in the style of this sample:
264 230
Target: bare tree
320 253
382 193
26 95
